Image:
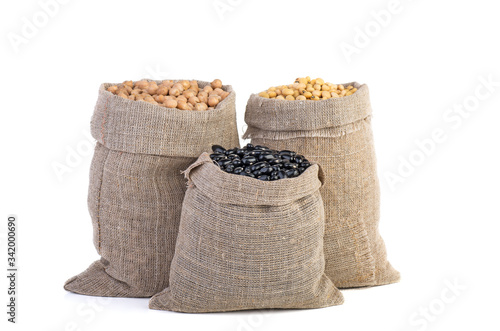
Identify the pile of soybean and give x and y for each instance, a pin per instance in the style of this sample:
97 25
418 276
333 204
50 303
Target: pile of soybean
259 162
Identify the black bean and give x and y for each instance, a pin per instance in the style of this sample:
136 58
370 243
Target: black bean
266 170
238 170
247 160
274 161
232 151
259 162
292 173
218 149
263 177
305 164
287 152
281 175
224 163
266 157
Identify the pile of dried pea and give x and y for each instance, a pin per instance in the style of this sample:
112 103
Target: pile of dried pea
308 89
184 94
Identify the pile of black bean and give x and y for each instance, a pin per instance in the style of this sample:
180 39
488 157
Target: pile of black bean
259 162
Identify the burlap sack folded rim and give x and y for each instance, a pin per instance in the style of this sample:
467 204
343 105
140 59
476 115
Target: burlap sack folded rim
111 127
284 115
258 192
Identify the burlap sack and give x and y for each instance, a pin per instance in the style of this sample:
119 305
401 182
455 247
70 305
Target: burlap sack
248 244
136 188
336 133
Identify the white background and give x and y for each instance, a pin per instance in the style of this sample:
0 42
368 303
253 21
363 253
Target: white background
440 221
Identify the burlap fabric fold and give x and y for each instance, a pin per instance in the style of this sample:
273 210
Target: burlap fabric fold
336 133
248 244
136 188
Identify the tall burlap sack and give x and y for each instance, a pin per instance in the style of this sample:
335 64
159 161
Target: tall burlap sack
248 244
136 188
336 133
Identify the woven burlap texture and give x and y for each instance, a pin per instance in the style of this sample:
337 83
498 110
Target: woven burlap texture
336 133
136 188
248 244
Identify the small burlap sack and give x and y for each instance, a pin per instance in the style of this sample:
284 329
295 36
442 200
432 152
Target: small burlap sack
136 188
248 244
335 133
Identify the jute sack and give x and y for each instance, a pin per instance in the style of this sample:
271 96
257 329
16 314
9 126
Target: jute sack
136 188
336 133
248 244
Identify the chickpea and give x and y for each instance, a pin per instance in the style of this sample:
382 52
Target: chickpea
183 94
213 101
113 89
201 106
203 96
142 84
182 105
218 91
216 84
170 103
162 90
152 88
193 100
194 85
185 84
160 98
188 94
167 83
174 92
178 86
210 108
